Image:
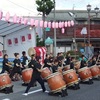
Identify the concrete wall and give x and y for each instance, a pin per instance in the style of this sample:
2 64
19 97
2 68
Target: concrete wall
1 46
62 49
58 49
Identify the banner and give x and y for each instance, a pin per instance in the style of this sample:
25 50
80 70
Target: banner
84 30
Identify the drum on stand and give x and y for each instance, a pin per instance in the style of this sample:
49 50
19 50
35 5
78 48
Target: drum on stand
5 81
95 71
27 74
85 74
67 67
56 82
45 73
70 77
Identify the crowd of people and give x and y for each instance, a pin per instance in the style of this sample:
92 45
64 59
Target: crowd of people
53 63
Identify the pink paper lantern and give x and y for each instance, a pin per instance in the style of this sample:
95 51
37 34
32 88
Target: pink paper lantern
1 14
72 22
60 25
53 24
49 24
69 24
41 23
7 17
66 24
45 24
36 23
63 30
32 22
57 25
15 19
25 21
20 20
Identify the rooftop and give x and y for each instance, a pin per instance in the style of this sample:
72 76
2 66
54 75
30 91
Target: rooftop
8 28
64 14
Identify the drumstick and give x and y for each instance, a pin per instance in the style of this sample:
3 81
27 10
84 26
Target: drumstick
42 66
97 60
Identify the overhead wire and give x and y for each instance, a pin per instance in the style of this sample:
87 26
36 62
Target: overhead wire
21 6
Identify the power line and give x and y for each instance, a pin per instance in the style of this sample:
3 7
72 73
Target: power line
20 6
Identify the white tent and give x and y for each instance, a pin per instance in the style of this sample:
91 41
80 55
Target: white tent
11 31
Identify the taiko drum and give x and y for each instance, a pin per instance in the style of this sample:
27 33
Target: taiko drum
56 82
85 73
95 71
45 72
27 74
70 77
5 81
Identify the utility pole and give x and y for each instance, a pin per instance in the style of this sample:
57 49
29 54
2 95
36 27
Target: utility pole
54 31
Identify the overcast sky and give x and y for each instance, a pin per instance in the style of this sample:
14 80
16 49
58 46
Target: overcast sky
28 7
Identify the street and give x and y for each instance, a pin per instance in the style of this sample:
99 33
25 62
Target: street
86 92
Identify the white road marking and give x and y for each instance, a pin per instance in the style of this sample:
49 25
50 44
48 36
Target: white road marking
36 91
6 99
33 91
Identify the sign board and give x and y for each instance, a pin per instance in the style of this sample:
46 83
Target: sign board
47 29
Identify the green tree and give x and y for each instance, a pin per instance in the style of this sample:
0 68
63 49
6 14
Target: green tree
44 6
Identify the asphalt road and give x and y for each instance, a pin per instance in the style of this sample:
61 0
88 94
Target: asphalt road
86 92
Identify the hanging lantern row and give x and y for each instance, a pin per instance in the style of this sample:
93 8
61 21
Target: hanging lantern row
36 23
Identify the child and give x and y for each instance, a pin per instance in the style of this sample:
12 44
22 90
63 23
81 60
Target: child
55 66
6 65
24 59
17 65
83 62
72 63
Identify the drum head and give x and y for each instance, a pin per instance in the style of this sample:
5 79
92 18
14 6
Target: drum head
3 74
78 62
31 51
68 71
27 69
67 66
81 69
54 74
93 66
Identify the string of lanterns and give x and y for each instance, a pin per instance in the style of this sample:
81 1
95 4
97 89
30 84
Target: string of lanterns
41 23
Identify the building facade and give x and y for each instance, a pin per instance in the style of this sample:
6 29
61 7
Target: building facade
73 34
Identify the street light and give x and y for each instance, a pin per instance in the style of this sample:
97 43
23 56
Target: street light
88 7
89 17
96 11
74 39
